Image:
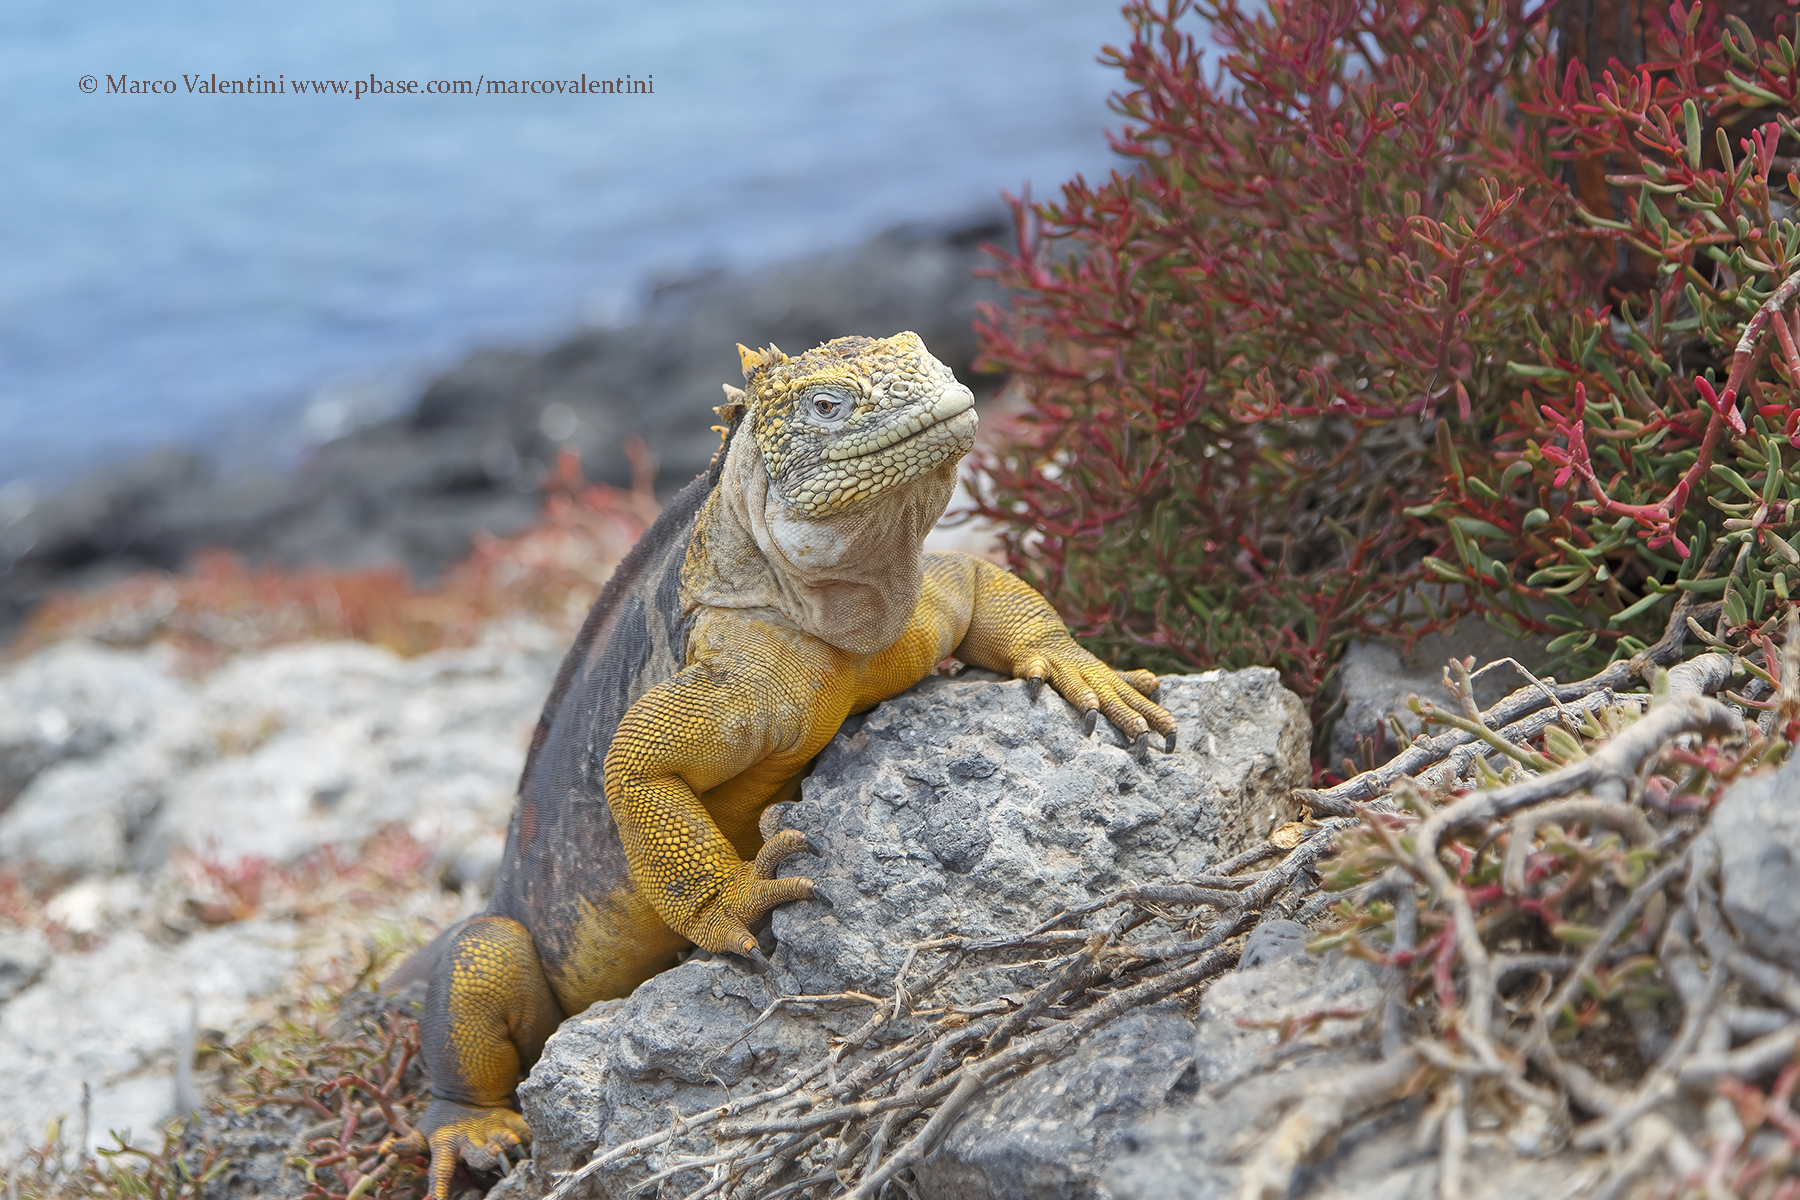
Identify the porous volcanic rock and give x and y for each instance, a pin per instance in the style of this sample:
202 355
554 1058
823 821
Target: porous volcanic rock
112 1020
1051 1133
1252 1068
961 807
76 700
274 755
1295 1026
1188 1150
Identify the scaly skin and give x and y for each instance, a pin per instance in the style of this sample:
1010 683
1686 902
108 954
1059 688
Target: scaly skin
781 593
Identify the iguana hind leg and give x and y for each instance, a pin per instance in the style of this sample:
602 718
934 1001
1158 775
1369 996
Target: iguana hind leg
487 1016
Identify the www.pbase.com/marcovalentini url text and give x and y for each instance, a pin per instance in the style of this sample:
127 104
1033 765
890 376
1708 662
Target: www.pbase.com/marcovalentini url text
356 89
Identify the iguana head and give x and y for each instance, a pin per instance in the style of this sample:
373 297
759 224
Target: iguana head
843 424
842 460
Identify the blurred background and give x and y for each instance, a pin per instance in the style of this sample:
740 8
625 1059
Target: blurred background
202 291
179 265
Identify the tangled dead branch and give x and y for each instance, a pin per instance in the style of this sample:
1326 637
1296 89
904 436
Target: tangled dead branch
928 1064
1561 903
1521 716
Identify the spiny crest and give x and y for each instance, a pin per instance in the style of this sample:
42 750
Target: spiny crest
733 408
759 360
730 412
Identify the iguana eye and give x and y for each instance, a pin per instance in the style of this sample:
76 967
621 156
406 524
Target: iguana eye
828 406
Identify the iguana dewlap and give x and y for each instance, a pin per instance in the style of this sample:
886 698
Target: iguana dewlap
776 595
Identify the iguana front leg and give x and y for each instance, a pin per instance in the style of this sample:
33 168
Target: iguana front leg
1012 629
705 727
760 701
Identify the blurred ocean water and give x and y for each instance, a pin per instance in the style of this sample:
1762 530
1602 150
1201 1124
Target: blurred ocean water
252 270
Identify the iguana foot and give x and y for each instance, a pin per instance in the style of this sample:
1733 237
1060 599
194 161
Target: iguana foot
747 893
1096 690
481 1137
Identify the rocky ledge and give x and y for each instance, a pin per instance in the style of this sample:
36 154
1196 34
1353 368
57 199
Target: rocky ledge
962 811
175 842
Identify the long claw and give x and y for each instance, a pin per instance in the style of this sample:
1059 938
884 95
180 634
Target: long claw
1096 690
759 964
1033 686
822 898
778 849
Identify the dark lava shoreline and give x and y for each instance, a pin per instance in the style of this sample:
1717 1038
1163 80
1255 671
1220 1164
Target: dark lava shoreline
469 452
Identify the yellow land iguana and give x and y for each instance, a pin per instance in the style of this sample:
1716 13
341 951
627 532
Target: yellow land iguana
776 595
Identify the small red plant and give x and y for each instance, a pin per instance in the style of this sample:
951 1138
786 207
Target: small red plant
219 890
220 605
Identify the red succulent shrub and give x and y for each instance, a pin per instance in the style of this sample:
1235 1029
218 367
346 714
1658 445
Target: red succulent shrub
1344 354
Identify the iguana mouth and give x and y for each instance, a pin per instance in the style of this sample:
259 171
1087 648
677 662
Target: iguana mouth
951 404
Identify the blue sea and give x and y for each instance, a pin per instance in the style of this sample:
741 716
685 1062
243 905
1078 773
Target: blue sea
251 271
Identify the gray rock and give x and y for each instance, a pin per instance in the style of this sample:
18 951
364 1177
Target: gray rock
959 807
86 816
1050 1133
1373 686
358 738
613 1073
1273 940
112 1018
1250 1079
1756 828
74 701
1198 1152
280 753
1194 1150
1242 1014
1244 1073
24 953
275 755
1374 679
